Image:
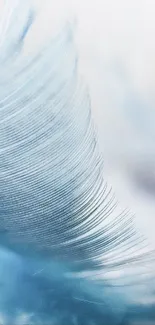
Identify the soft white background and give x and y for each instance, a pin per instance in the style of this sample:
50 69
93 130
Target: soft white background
116 44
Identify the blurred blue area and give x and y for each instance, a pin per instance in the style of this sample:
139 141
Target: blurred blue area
36 292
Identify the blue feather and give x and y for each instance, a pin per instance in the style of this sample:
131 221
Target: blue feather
61 227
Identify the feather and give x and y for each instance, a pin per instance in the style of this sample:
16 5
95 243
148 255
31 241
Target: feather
60 224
